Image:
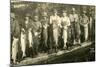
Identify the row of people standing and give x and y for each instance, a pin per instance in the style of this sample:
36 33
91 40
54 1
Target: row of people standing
36 35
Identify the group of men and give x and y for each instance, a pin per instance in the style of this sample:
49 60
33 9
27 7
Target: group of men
49 34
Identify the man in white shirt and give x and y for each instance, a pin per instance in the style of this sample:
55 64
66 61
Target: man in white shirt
55 21
84 21
65 22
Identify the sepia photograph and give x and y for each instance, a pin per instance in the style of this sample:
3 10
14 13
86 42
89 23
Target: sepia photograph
51 33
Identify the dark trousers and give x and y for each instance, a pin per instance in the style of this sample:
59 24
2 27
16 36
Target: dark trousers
44 40
82 33
75 31
36 44
50 37
92 32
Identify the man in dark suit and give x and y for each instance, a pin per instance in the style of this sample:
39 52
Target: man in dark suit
36 29
44 23
15 31
75 28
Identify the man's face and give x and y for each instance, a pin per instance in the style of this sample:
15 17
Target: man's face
27 20
55 13
26 17
64 14
36 18
44 17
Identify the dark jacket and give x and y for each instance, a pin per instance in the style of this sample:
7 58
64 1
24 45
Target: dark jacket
15 29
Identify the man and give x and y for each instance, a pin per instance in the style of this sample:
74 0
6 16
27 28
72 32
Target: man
55 21
74 19
44 23
26 35
84 25
36 29
15 31
91 25
65 22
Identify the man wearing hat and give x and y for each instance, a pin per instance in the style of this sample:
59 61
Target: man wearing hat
74 19
65 22
26 36
15 31
55 21
36 29
84 21
44 37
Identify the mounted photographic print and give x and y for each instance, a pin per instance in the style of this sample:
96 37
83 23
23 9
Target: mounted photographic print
51 33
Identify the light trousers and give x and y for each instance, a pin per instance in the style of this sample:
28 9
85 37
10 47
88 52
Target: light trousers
14 49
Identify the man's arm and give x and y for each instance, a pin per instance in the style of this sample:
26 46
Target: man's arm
68 22
50 19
